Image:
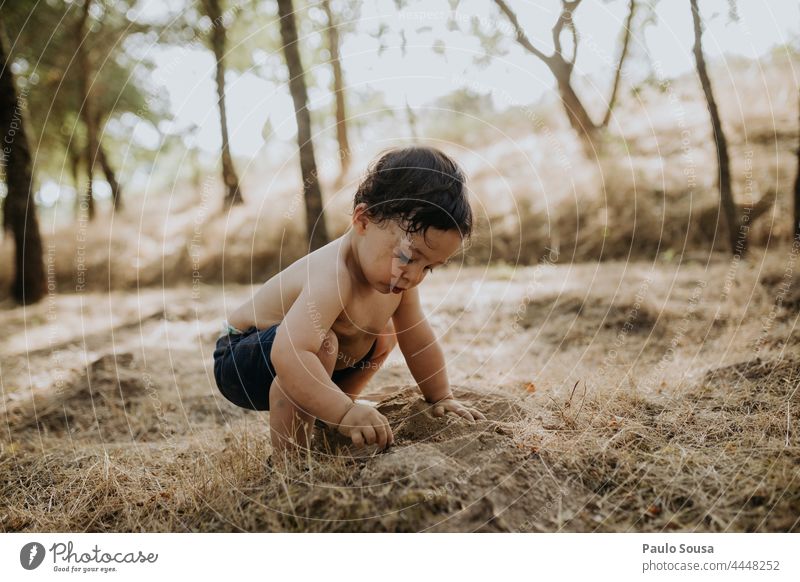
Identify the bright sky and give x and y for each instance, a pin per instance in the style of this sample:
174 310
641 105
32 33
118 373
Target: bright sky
422 76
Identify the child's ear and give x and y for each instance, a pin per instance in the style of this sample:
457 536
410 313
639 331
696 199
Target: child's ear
360 218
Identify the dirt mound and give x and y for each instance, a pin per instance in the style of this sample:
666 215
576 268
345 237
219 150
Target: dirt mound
442 474
784 290
571 318
412 422
776 377
102 402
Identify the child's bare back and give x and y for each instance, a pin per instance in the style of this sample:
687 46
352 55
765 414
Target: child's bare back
313 335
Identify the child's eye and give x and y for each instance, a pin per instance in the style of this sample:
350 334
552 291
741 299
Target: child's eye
404 258
429 269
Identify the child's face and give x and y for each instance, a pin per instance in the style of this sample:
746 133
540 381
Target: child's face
394 261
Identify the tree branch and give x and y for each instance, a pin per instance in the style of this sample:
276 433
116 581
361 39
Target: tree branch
521 38
625 42
565 20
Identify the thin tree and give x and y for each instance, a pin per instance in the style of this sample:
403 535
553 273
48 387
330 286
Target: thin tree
74 156
217 38
108 170
315 220
626 40
561 65
19 210
729 210
338 90
796 229
111 177
85 99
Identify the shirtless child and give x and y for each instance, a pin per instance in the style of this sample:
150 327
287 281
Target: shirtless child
315 333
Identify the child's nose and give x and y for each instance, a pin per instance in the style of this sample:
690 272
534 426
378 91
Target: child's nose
419 275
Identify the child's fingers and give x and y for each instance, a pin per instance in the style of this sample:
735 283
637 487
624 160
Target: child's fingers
357 437
459 410
478 414
465 413
380 434
473 414
389 432
369 434
438 410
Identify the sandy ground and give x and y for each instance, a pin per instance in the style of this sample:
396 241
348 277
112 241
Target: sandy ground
619 397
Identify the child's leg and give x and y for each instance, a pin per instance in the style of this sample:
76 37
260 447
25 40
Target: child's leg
356 380
290 426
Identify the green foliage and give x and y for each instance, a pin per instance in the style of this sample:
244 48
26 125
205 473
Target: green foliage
44 38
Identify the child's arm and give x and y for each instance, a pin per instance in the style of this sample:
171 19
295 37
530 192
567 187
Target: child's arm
303 377
425 357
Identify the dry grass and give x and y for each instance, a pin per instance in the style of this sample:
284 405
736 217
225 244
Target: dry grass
686 420
721 456
645 382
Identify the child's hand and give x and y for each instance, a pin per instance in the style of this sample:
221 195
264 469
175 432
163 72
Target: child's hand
365 425
450 404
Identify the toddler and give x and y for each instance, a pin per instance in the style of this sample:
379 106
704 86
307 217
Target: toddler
308 341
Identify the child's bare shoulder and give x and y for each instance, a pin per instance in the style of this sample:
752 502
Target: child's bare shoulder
325 272
324 288
319 277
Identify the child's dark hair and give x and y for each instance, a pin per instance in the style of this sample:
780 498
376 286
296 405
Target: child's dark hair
421 187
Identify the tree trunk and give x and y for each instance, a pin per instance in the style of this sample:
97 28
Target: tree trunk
75 166
315 220
737 241
19 210
338 91
579 118
111 178
108 169
796 228
561 67
86 105
233 193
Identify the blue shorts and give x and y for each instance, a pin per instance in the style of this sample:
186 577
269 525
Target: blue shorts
244 372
